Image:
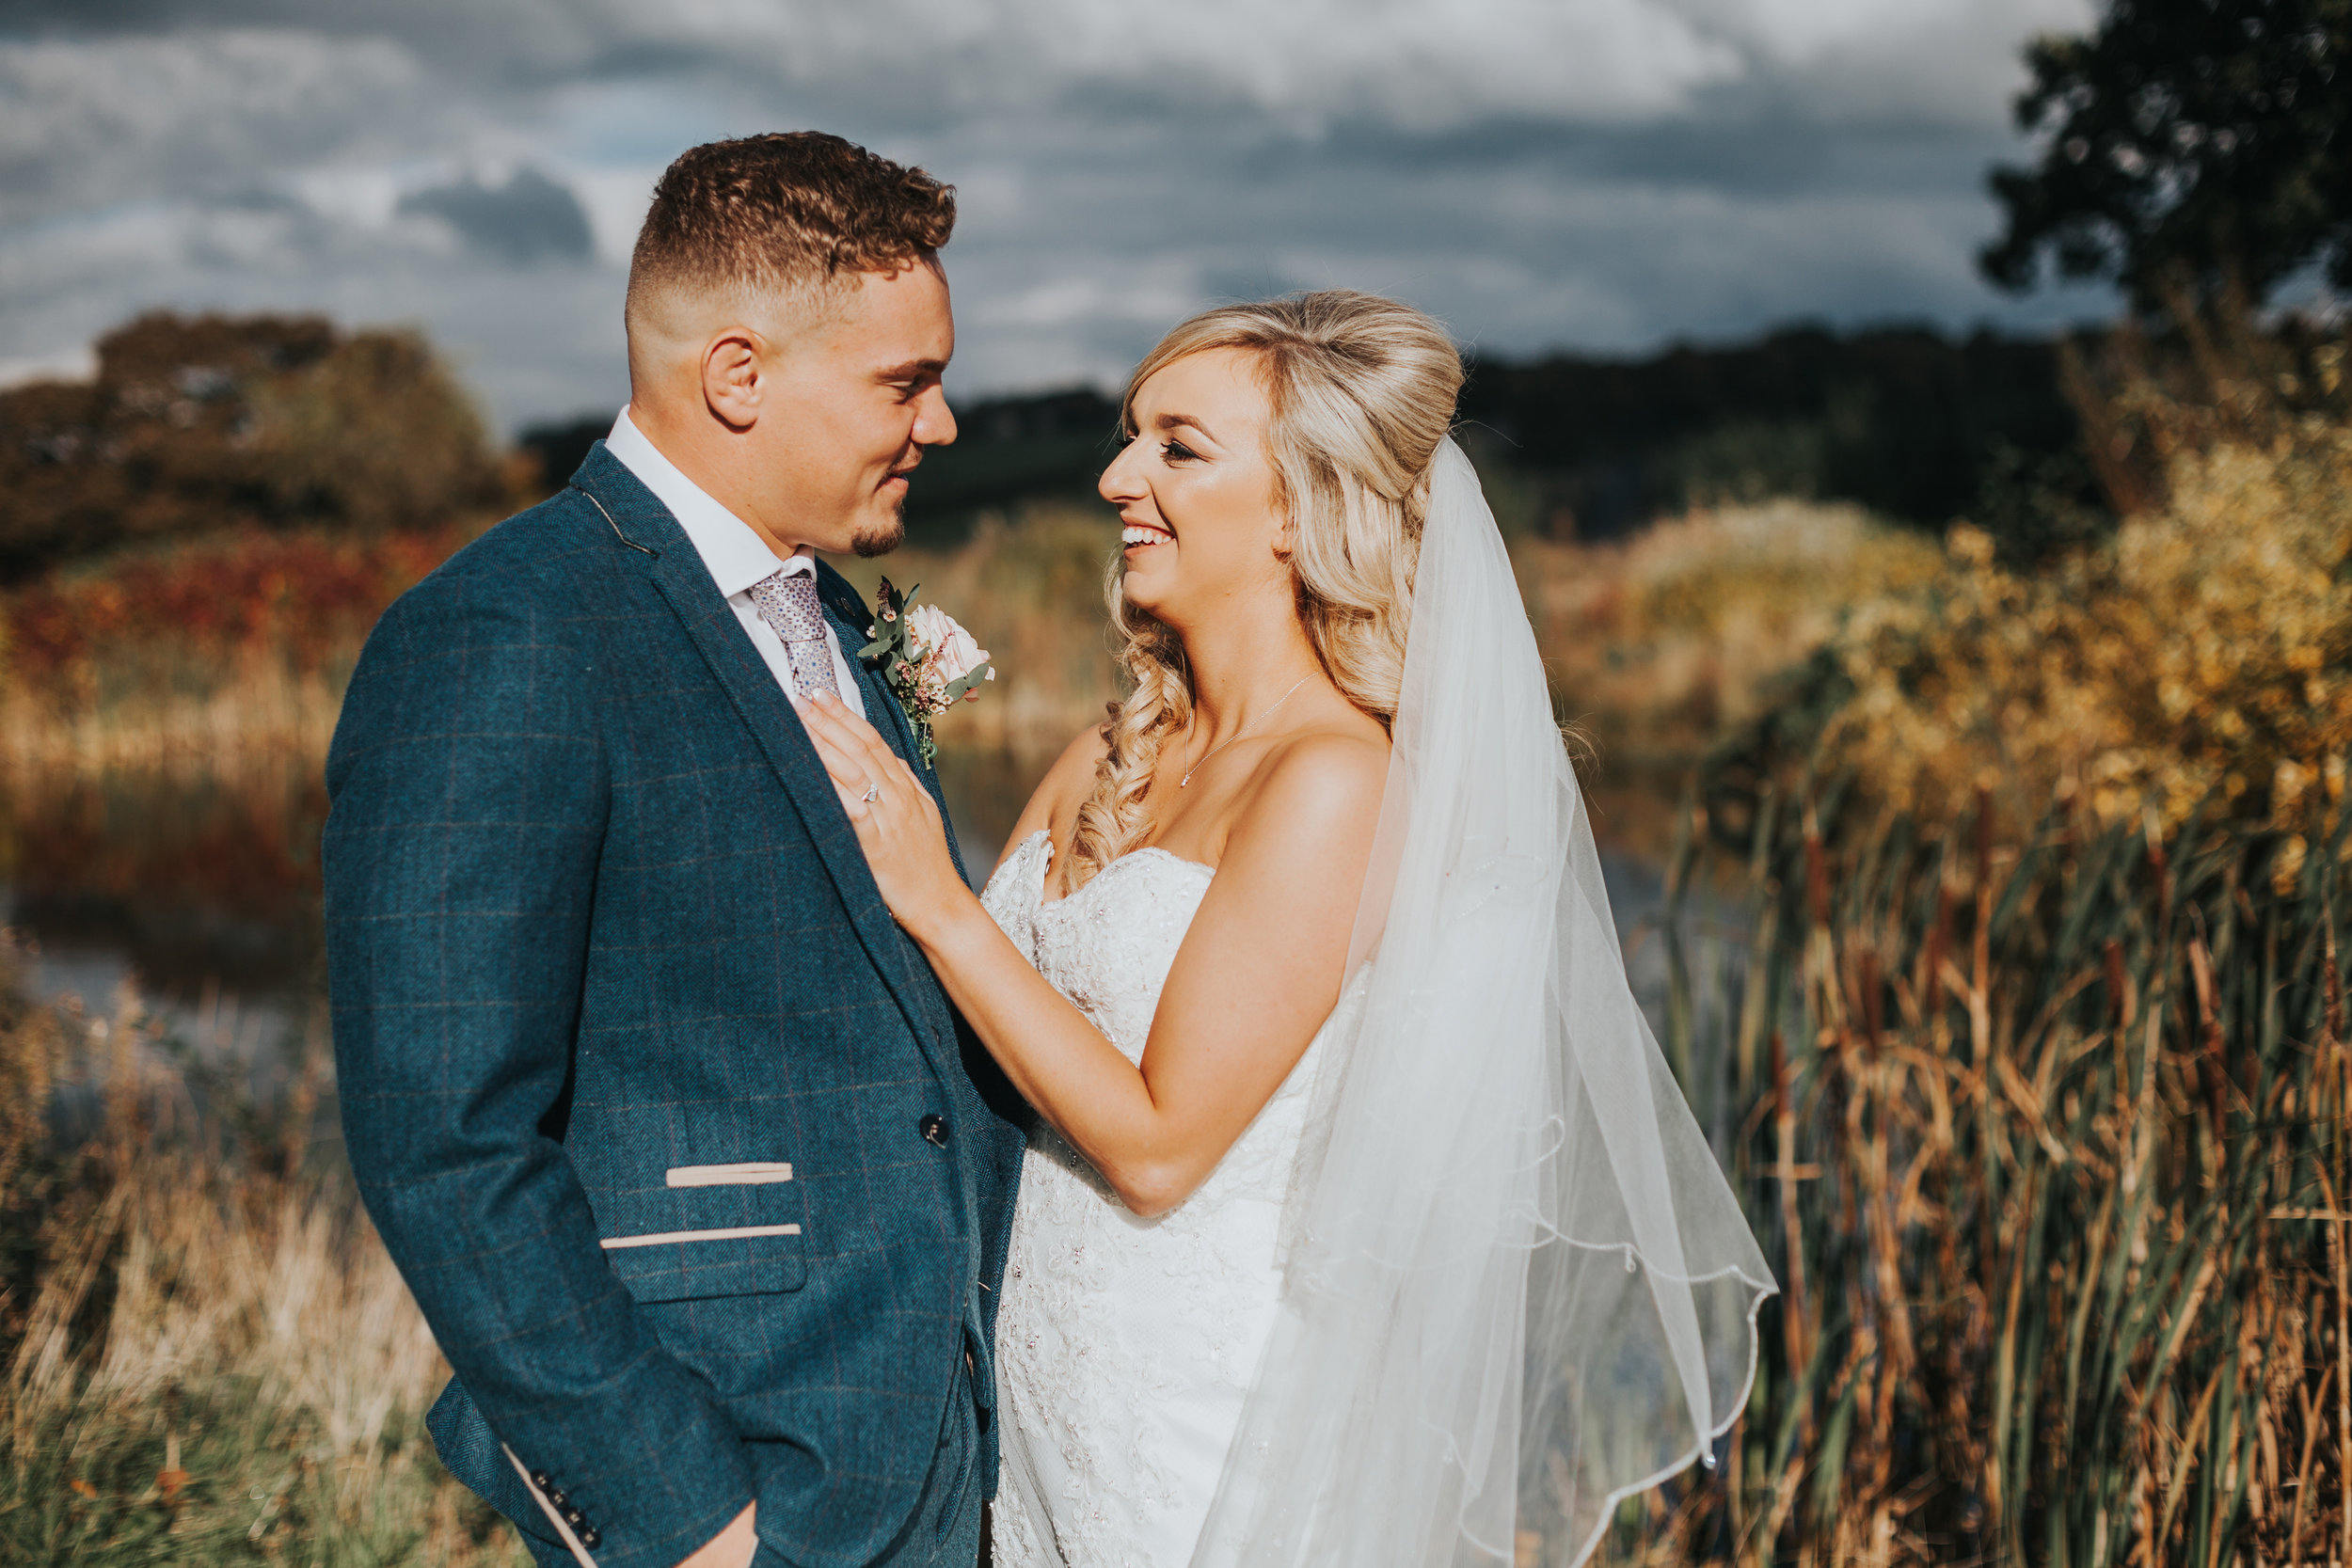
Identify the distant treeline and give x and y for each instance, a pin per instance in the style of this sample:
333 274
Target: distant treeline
194 423
1910 424
1915 425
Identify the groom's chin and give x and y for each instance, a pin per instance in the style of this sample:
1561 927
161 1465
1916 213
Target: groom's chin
879 538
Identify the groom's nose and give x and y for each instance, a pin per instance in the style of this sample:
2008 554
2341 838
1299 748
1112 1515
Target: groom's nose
934 421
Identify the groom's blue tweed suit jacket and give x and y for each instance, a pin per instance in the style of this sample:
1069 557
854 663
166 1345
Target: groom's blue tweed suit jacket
595 919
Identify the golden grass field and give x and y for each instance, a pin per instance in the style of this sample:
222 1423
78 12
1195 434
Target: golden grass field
2026 1046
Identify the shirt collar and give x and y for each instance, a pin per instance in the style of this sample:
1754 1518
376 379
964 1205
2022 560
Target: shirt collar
734 554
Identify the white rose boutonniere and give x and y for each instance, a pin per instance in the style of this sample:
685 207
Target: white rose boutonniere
929 661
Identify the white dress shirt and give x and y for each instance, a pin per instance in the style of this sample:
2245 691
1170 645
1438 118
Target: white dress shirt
732 552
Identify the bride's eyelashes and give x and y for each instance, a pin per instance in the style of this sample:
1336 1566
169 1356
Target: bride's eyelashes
1176 452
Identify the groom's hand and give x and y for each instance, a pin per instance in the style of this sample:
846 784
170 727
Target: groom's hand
732 1547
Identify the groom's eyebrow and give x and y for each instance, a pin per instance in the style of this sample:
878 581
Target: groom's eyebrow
911 370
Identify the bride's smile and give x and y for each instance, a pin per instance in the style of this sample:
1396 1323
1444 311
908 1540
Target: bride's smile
1199 519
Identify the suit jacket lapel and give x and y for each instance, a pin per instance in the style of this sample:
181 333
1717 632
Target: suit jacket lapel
678 572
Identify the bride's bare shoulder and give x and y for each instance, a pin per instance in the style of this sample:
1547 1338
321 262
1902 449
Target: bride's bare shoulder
1323 783
1053 804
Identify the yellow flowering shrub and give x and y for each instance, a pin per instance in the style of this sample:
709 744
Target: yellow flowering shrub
2203 654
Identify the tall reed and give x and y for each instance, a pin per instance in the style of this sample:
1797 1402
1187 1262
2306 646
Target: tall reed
2048 1140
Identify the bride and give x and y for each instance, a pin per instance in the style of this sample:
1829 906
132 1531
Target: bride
1364 1224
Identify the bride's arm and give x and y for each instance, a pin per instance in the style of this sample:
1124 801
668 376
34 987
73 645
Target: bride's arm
1257 973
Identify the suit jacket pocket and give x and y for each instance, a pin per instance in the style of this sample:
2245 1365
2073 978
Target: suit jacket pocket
730 1230
721 1260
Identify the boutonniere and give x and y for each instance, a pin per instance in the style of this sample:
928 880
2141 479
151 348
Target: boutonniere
928 661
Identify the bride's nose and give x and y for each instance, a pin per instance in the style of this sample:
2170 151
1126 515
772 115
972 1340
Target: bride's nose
1123 481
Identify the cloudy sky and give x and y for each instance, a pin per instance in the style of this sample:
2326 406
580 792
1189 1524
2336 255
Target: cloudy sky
1596 174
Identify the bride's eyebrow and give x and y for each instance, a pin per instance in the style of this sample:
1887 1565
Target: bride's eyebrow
1182 422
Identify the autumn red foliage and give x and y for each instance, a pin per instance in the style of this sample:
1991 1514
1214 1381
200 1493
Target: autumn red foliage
309 597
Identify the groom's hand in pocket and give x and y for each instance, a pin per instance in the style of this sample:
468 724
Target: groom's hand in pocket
732 1547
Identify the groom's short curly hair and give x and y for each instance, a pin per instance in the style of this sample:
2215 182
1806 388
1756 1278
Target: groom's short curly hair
791 212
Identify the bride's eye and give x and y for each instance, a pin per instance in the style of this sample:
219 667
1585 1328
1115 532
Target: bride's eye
1176 452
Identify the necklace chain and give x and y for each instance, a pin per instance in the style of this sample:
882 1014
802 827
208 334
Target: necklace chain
1239 732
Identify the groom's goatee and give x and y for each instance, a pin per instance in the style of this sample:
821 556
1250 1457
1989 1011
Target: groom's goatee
871 542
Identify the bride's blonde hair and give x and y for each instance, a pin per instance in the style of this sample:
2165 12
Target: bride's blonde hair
1361 391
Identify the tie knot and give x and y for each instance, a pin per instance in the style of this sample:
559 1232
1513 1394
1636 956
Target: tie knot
788 602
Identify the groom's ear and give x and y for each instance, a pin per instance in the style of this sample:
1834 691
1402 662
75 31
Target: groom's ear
734 376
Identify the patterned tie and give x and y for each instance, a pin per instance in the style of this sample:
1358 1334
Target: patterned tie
788 602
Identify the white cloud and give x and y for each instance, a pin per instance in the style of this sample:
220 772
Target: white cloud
1306 62
1949 61
1538 172
92 122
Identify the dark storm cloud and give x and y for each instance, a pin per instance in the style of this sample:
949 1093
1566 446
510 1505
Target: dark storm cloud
1609 173
527 219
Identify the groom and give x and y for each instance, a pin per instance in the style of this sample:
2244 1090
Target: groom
669 1129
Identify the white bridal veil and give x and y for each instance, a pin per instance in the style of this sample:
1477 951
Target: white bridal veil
1518 1287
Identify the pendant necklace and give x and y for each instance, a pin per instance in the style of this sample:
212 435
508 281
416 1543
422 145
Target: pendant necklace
1239 732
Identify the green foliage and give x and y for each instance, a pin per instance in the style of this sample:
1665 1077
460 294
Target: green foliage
194 423
2193 149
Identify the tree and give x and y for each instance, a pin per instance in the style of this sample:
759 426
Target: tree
202 422
2197 152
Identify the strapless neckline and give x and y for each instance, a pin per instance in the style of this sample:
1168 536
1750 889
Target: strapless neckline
1045 868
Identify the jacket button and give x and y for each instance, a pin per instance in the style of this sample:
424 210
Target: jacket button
555 1500
540 1480
591 1538
934 1129
575 1518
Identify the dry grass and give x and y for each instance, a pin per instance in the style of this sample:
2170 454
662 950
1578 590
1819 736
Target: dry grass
2043 1115
208 1357
2048 1140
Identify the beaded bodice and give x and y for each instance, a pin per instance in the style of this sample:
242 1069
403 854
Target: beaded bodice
1124 1345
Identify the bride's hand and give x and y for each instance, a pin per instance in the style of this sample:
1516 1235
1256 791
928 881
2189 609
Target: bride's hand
896 820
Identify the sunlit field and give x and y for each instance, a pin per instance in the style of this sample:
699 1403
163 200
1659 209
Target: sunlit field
1997 950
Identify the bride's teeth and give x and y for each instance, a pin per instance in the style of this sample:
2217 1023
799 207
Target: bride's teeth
1132 534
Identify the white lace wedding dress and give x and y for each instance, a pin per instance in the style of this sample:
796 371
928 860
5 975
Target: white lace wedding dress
1124 1346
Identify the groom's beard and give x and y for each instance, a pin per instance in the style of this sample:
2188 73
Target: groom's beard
881 538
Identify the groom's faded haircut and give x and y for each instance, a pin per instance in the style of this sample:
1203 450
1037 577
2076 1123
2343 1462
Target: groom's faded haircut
793 215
